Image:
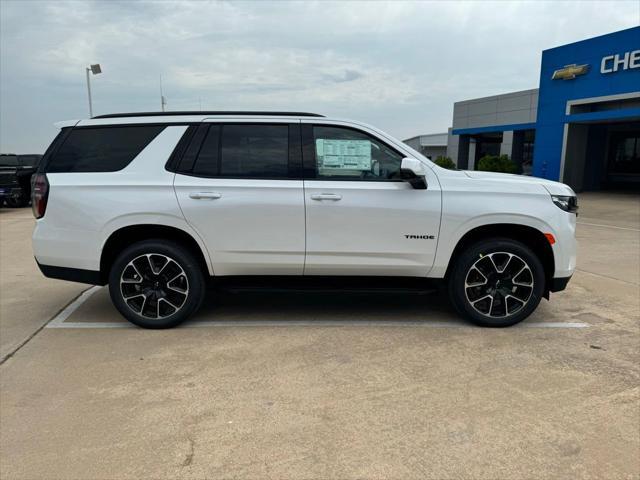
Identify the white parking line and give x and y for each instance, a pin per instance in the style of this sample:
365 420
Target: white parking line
94 325
608 226
555 325
59 321
317 323
72 307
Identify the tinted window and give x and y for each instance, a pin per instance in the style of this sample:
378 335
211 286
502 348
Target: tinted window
243 151
102 149
189 158
346 154
207 164
51 149
255 151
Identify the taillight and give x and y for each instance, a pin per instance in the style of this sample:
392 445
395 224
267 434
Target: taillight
39 194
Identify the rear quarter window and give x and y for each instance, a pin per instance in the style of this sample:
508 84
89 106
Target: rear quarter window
102 149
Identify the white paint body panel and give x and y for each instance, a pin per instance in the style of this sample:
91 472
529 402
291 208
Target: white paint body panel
255 227
274 227
363 233
84 209
492 198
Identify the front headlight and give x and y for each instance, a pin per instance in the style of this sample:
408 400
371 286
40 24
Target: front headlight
566 203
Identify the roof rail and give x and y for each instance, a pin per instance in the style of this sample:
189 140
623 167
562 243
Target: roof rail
163 114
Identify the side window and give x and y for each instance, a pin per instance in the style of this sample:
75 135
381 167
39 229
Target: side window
254 151
244 151
101 149
346 154
207 164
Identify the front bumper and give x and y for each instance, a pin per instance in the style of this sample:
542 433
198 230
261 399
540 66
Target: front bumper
8 192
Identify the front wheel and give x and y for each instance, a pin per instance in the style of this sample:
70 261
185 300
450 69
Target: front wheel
156 284
496 282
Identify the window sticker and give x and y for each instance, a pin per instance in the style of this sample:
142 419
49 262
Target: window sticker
343 154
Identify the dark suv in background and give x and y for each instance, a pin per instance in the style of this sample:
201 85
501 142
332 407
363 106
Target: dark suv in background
15 178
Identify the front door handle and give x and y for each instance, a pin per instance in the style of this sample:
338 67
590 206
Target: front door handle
205 195
326 196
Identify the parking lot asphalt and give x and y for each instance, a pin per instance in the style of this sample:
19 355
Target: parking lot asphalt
27 299
326 386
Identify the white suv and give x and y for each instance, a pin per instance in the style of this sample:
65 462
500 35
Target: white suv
159 205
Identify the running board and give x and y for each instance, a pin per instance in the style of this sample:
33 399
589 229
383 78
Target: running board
350 285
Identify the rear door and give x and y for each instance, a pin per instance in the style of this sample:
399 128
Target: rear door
239 186
362 218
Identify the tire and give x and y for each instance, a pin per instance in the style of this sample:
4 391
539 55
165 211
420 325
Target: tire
156 284
496 282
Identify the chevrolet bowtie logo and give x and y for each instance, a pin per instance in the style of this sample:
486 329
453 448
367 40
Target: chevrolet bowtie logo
569 72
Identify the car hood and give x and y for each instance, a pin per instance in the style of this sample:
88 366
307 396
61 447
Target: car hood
554 188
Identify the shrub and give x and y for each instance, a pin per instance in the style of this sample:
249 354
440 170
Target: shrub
445 162
494 163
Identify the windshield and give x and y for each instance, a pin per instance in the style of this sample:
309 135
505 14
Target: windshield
29 160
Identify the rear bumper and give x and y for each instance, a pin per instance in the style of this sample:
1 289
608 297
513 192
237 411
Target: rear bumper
71 274
70 248
559 284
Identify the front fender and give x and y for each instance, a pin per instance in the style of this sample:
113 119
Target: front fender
450 236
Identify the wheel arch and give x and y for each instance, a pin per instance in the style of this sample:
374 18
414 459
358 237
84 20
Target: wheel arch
125 236
527 235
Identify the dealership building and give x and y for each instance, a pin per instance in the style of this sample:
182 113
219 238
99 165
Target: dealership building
432 145
581 126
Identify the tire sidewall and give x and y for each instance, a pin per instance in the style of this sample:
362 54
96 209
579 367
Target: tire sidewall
470 256
183 257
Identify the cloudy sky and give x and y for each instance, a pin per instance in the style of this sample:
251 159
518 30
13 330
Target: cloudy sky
397 65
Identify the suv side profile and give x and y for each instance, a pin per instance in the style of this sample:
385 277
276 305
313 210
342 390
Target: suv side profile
157 205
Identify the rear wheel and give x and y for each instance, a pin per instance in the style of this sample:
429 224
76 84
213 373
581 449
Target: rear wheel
496 282
156 284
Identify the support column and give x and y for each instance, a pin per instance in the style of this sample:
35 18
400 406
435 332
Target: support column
575 156
517 149
507 143
463 152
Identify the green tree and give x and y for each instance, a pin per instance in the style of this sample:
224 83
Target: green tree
495 163
445 162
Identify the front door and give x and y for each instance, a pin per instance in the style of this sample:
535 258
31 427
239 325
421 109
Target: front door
362 218
239 187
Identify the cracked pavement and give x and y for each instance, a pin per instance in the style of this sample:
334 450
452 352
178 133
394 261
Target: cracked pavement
328 401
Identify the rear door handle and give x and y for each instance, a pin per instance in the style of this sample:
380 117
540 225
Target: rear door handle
326 196
205 195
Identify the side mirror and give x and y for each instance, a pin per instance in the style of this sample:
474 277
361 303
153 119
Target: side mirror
413 172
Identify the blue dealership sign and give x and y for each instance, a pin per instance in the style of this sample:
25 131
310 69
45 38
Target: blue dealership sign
603 66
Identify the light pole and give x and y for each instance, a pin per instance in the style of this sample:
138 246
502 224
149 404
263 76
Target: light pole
95 69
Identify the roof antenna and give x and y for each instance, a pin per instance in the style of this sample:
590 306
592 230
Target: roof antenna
163 101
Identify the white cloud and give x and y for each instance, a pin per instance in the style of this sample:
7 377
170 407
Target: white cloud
398 65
